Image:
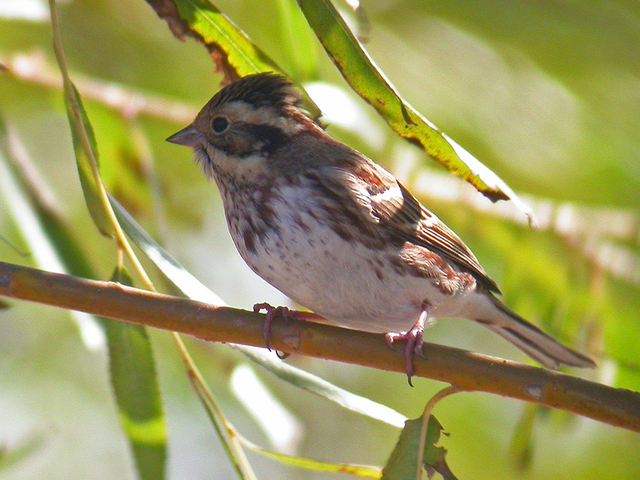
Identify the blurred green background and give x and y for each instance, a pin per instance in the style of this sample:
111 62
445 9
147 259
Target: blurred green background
545 93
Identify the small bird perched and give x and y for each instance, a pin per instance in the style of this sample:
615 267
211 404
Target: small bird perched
336 232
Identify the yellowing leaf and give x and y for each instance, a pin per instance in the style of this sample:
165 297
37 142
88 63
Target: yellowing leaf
373 86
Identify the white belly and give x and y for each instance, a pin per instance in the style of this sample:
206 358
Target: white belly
342 281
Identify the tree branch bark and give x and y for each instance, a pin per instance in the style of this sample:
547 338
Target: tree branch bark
465 370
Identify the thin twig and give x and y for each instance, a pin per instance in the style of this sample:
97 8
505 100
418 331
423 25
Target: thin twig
129 103
426 414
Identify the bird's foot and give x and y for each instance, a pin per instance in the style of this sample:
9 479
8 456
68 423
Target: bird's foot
284 312
414 341
272 312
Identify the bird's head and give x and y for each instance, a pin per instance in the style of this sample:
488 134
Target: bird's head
245 123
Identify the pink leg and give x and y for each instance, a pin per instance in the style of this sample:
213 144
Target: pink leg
273 312
414 341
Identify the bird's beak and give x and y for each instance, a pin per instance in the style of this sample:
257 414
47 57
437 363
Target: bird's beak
187 137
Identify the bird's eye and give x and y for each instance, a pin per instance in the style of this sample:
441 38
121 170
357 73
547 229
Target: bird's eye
219 124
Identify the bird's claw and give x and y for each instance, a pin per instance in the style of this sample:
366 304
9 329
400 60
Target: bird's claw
414 341
414 345
272 312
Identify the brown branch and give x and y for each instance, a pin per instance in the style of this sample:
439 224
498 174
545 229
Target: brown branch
465 370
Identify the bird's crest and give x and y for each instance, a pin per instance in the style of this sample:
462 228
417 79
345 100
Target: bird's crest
260 90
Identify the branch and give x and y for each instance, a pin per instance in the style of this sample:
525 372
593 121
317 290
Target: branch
465 370
126 101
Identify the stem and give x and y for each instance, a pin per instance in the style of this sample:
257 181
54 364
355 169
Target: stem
230 442
87 148
426 414
231 439
465 370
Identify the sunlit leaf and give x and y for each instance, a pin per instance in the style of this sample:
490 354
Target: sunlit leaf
86 154
195 290
134 380
402 464
233 53
168 265
325 389
35 206
84 141
133 374
45 233
297 40
362 471
126 173
131 363
371 84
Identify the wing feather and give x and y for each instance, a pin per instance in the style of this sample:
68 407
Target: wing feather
381 199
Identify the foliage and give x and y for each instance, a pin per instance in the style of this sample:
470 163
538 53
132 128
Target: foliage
543 93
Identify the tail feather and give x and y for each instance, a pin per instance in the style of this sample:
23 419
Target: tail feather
531 340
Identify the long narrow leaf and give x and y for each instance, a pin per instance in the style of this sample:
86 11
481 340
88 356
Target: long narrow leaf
50 242
321 387
134 380
298 41
131 363
373 86
232 51
362 471
81 129
169 266
192 288
132 370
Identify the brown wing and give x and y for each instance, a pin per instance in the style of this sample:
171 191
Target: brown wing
383 200
431 233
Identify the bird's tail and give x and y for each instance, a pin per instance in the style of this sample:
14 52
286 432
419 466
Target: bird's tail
530 339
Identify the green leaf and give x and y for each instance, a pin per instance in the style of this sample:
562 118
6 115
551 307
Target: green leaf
131 364
84 141
298 41
86 155
169 266
402 464
35 208
234 53
321 387
195 290
129 169
357 470
132 370
372 85
135 385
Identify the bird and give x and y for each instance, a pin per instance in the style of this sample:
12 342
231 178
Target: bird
339 234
